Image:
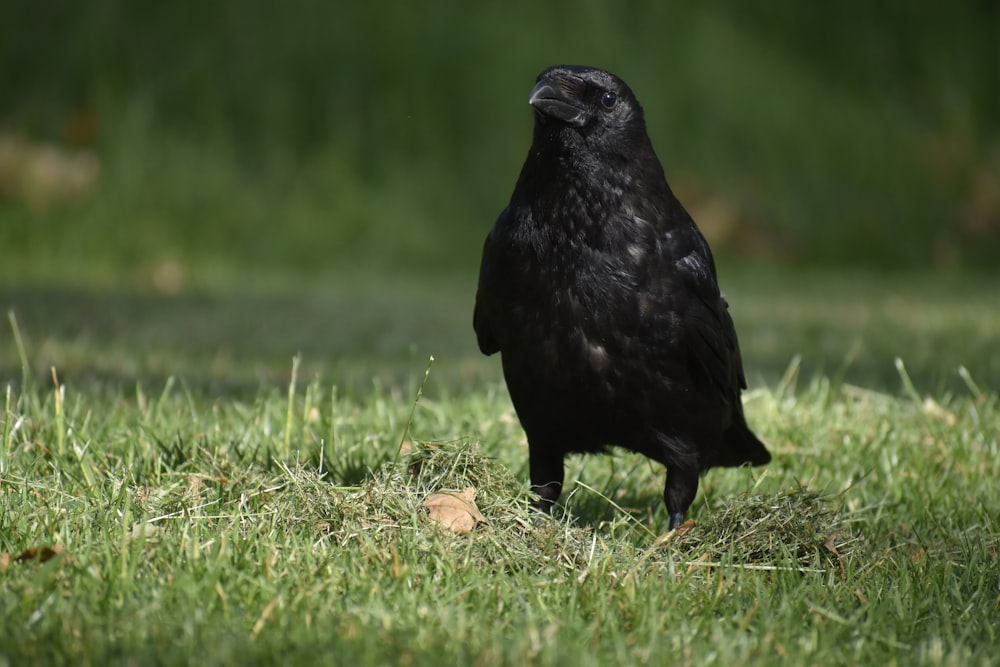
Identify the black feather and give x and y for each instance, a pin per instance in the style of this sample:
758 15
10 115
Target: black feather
601 295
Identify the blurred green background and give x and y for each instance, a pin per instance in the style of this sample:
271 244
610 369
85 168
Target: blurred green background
310 135
166 148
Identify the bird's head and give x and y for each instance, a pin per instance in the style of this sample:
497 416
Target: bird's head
588 101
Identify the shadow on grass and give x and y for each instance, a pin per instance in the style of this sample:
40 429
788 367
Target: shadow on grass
356 331
238 342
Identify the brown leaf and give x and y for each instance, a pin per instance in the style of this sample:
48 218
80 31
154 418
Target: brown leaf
41 554
685 527
455 510
831 544
677 532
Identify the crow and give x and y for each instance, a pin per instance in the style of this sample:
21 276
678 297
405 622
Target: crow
601 296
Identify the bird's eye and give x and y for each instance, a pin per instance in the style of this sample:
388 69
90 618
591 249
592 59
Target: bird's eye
609 100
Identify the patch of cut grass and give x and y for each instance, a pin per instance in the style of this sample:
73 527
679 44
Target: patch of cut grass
795 528
223 531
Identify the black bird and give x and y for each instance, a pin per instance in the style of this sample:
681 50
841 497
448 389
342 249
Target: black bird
601 296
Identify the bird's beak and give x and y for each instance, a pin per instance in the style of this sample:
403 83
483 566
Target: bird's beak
554 97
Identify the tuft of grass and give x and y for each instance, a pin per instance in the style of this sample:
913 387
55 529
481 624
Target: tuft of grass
796 528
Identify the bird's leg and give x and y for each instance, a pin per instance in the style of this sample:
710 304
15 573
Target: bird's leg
546 465
679 493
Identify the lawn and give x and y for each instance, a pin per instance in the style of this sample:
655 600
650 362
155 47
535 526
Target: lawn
236 474
232 239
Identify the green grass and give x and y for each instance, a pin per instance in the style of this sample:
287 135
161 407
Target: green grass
230 332
266 520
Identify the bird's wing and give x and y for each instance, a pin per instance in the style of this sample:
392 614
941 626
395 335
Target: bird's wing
734 345
485 336
711 334
713 344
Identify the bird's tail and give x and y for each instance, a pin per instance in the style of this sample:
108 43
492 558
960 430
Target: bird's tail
741 446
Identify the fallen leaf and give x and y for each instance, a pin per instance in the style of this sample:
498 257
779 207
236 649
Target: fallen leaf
671 535
41 554
4 560
684 527
455 509
831 544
